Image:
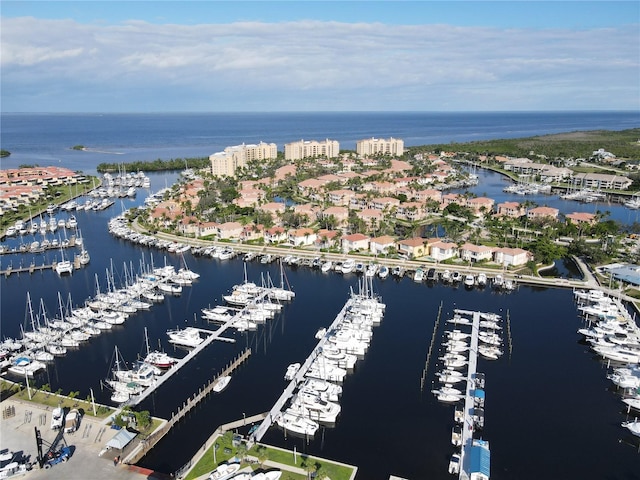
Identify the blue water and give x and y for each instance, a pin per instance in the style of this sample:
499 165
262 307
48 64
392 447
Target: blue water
47 138
550 410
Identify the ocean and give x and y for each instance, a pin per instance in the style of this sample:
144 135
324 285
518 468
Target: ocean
550 411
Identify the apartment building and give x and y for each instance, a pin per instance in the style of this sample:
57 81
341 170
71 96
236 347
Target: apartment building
380 146
311 149
226 163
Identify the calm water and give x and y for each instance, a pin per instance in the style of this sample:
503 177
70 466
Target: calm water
47 138
550 412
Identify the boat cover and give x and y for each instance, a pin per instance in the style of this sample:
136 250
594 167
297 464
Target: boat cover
121 439
480 458
478 393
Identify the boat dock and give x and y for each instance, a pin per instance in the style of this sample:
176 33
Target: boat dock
212 335
143 447
32 268
470 446
272 415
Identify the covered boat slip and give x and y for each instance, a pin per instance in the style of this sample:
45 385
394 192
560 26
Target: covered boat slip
121 439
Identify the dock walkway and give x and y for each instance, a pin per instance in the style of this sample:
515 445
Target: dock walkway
468 425
257 435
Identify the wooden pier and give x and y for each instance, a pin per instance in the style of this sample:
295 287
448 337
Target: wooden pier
272 415
143 447
32 268
211 336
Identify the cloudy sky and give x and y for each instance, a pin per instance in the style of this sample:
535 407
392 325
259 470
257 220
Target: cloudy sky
164 56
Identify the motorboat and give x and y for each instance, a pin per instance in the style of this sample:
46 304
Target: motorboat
498 281
297 424
326 266
64 267
348 266
142 373
189 337
418 276
454 464
633 427
633 402
325 390
481 280
171 288
224 471
456 435
469 280
291 371
383 272
456 277
221 383
217 314
446 276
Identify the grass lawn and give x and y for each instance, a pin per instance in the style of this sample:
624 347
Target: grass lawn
226 451
52 400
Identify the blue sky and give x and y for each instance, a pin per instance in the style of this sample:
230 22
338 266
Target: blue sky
330 55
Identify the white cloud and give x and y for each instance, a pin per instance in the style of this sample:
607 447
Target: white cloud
313 62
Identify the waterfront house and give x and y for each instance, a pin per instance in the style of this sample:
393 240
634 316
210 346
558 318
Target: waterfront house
511 209
475 253
275 235
599 181
412 247
206 229
229 231
511 256
443 250
543 213
301 237
355 242
252 232
326 239
581 218
382 245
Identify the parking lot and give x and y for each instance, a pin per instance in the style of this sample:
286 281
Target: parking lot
88 459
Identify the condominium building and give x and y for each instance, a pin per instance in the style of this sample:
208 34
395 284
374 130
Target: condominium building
380 146
311 148
228 161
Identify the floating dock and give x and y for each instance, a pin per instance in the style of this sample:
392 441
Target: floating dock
272 415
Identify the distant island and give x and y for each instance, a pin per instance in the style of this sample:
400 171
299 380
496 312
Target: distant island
78 147
4 153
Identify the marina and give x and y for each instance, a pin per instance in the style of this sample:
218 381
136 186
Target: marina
384 391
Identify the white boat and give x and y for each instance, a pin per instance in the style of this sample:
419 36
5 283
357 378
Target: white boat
326 266
291 371
633 427
326 390
633 402
189 337
446 276
64 267
418 276
469 280
498 281
221 383
348 266
217 314
297 424
171 288
454 464
224 471
383 271
482 279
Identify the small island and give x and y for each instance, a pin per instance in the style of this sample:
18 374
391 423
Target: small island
79 147
4 153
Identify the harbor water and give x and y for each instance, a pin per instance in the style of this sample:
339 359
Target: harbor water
550 411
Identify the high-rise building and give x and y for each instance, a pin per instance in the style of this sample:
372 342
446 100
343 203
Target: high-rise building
311 148
380 146
228 161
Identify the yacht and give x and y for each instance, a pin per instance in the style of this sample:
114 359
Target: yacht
224 471
469 280
142 373
456 277
348 266
64 267
297 424
454 464
482 279
160 359
446 276
189 337
291 371
498 282
326 266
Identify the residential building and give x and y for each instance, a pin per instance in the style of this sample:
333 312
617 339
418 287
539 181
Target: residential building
379 146
475 253
543 213
341 214
226 163
311 148
579 218
229 230
511 256
412 247
275 235
440 251
326 238
511 209
601 181
301 237
382 245
354 242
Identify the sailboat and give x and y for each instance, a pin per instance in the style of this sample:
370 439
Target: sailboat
84 257
157 358
64 267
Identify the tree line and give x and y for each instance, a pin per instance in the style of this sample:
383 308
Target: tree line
155 165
